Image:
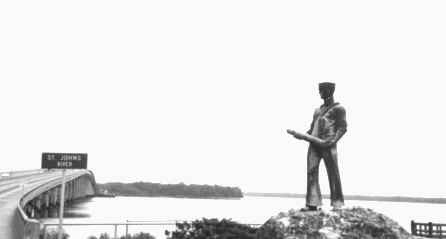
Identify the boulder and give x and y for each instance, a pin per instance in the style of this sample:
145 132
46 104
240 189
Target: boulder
349 223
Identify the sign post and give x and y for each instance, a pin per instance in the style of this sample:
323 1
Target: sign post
63 161
62 204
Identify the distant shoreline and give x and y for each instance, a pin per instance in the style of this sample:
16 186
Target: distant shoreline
181 190
357 197
179 197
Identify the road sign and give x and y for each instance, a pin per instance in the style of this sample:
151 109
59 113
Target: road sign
64 160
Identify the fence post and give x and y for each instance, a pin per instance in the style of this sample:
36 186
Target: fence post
116 231
126 229
44 232
430 228
413 228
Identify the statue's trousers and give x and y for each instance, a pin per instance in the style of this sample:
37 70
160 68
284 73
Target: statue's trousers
329 154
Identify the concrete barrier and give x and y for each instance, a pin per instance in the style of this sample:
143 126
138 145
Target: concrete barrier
31 227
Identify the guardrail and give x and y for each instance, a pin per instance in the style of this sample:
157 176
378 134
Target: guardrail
431 230
31 226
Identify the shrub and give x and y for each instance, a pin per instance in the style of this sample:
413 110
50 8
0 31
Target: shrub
52 234
212 228
104 236
140 235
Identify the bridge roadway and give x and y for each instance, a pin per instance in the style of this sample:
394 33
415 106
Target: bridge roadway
13 188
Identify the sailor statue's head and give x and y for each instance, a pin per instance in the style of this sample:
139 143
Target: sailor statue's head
326 89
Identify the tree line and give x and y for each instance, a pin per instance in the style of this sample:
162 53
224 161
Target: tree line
147 189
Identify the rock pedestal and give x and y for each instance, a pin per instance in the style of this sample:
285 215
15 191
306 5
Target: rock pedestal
349 223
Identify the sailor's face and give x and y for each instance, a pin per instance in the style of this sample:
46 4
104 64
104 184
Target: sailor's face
324 93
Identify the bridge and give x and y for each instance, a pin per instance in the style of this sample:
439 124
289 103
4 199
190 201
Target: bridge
26 196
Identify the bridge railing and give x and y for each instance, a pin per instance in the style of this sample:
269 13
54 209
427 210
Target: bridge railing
430 230
48 185
31 227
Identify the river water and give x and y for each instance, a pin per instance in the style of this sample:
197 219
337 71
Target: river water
253 210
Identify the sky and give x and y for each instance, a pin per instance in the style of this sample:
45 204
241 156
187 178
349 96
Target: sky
202 92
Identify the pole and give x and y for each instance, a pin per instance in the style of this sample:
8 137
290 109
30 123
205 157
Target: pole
62 201
44 232
430 228
126 229
116 232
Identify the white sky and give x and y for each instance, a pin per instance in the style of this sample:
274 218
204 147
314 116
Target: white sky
203 91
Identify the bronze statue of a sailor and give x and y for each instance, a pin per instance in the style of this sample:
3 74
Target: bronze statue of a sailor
328 126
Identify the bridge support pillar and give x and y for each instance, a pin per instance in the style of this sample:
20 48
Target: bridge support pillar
37 205
53 200
76 189
46 205
29 210
70 191
57 201
66 192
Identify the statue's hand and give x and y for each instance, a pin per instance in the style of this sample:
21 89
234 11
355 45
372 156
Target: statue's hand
329 143
290 131
294 133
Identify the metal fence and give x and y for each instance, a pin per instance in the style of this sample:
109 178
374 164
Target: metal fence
154 225
431 230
